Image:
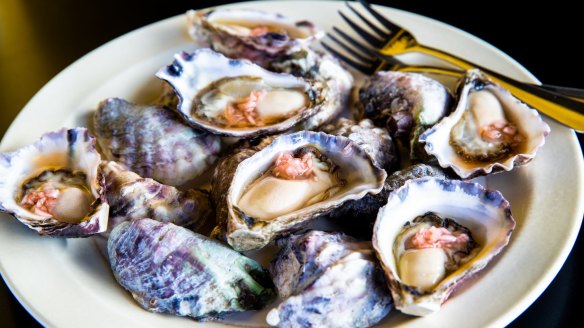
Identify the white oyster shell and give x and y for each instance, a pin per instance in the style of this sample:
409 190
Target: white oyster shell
486 213
192 73
72 150
527 120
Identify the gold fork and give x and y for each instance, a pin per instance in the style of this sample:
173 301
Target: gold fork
384 45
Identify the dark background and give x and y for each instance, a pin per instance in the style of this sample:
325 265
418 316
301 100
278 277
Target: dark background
39 38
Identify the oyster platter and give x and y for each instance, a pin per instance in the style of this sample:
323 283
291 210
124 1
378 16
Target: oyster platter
230 172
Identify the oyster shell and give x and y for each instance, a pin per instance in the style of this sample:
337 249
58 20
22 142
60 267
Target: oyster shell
132 197
463 207
327 279
237 98
55 186
406 103
376 142
246 33
489 130
152 141
327 172
171 269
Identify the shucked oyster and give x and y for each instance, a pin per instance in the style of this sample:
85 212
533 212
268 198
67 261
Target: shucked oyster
292 181
433 234
256 35
489 131
153 141
327 279
132 197
55 186
238 98
171 269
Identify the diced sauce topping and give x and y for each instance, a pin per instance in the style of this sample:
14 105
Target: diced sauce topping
289 167
243 112
63 203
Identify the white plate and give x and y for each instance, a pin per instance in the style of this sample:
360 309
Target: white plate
67 283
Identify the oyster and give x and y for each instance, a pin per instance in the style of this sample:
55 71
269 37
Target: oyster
132 197
252 34
152 141
55 186
293 180
238 98
406 103
171 269
489 130
435 233
327 279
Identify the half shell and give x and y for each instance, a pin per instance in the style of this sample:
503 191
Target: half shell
55 186
246 33
237 98
243 231
485 213
470 127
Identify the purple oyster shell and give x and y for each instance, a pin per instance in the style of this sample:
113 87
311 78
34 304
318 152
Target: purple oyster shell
67 151
170 269
132 197
212 26
153 141
328 279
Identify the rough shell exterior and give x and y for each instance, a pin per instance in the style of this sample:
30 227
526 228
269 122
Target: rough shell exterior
132 197
405 103
70 149
243 232
191 73
170 269
152 141
528 121
262 49
328 279
486 213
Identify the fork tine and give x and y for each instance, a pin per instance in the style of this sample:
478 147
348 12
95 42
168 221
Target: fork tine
365 49
391 26
351 50
365 69
381 33
371 39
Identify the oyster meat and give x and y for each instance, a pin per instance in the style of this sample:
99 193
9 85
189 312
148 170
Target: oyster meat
433 234
55 185
237 98
293 180
252 34
327 279
406 103
153 141
489 131
132 197
170 269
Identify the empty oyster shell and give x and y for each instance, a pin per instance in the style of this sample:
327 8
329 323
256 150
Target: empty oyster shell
55 186
327 279
153 141
246 33
440 260
132 197
237 98
313 173
489 130
171 269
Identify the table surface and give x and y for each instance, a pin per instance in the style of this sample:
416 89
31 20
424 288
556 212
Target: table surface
40 38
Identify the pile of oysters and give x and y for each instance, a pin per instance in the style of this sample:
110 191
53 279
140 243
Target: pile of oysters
289 148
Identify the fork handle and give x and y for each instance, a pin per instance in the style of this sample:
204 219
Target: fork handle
561 108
